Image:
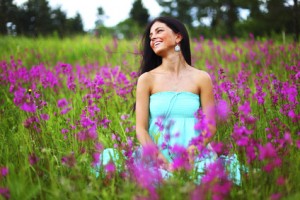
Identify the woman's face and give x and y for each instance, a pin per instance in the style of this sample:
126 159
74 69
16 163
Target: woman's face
162 38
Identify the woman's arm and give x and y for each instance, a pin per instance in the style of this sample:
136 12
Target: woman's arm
208 106
142 110
143 91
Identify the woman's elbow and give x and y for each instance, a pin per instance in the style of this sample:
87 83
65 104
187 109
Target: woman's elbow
140 132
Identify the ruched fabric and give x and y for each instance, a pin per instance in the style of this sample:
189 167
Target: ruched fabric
172 119
172 123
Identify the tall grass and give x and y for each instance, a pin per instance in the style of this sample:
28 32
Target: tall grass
63 101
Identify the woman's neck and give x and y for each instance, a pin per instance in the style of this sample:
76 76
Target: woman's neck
174 64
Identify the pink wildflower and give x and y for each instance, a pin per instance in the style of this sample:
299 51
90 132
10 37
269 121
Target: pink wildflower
5 192
4 171
33 159
62 103
110 167
44 117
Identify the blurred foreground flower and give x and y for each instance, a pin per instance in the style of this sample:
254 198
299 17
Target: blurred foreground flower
5 193
4 171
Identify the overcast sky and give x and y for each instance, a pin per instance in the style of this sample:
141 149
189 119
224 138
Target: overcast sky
115 10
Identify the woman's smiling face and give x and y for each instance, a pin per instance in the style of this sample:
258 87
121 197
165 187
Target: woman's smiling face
162 38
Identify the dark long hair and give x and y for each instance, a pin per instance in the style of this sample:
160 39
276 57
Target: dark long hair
149 59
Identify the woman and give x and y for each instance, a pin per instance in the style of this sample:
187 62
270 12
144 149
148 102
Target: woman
170 91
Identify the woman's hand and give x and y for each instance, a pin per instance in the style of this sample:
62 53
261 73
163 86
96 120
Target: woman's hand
165 163
192 151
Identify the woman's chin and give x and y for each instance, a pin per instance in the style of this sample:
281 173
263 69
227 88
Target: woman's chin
159 52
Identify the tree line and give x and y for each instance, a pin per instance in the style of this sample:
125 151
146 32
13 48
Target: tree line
219 18
210 18
225 17
36 17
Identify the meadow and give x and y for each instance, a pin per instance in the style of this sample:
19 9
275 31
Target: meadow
65 100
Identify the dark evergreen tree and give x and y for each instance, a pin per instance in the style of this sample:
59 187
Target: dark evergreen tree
59 21
231 17
296 16
139 13
38 12
100 17
279 16
75 25
183 10
8 16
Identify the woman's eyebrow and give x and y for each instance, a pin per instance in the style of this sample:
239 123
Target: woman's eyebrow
155 30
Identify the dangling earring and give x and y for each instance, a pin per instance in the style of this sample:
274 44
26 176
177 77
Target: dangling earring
177 48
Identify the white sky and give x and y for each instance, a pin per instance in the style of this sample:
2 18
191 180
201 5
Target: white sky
115 10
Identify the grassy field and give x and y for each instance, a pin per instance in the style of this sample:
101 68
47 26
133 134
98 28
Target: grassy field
63 101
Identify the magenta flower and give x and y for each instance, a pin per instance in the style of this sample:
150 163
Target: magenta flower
298 143
62 103
180 158
276 196
64 131
44 117
287 138
146 170
110 167
65 110
280 181
214 183
124 117
241 135
65 68
70 83
222 109
218 147
96 159
82 135
105 122
48 79
92 133
290 91
29 107
31 122
245 108
93 109
251 151
4 171
33 159
202 123
267 152
134 75
260 96
99 81
69 160
98 147
5 192
86 122
19 96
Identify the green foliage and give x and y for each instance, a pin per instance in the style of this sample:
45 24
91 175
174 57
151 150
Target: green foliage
223 18
216 18
139 13
35 18
50 178
8 13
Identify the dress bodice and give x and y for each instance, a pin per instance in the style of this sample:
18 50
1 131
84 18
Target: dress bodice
172 118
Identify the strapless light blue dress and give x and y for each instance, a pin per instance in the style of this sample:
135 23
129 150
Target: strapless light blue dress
171 122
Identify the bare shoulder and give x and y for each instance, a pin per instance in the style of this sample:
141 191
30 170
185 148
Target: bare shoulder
145 81
144 77
201 75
